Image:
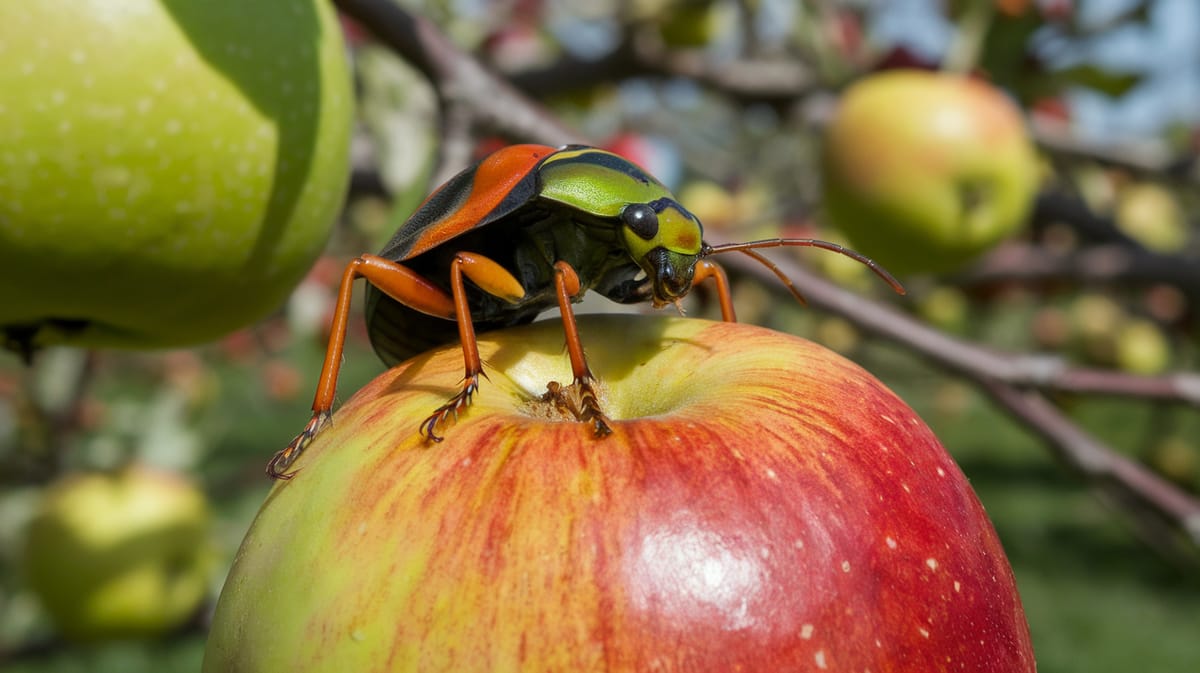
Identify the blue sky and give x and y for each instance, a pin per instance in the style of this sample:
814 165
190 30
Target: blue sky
1166 51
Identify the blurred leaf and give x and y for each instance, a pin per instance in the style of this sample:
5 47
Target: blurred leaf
1089 76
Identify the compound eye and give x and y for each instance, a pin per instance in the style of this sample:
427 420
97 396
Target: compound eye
641 219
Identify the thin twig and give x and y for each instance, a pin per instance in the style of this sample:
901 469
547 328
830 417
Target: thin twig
1112 265
1139 490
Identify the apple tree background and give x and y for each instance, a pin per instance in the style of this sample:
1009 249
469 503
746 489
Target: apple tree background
1059 368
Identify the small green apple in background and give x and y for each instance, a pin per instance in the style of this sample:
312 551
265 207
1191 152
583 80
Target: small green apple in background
1141 347
168 169
946 307
763 504
924 171
123 554
1150 214
1178 459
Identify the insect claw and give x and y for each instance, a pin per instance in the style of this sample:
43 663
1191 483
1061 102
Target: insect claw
456 404
579 399
283 459
600 428
429 425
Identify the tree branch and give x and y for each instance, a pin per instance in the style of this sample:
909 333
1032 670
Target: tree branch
1152 500
458 78
1116 265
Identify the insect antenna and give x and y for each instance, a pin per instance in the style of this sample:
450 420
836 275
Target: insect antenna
749 248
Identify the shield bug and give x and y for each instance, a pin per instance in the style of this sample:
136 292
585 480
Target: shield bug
526 229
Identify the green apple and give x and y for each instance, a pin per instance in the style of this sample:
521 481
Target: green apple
762 504
125 554
1177 459
1095 320
924 171
1150 214
168 170
1141 347
947 308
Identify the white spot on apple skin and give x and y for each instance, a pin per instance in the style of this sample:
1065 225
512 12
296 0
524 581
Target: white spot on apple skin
806 631
771 475
887 418
891 542
820 659
703 573
957 586
941 472
845 566
932 563
924 632
358 636
78 56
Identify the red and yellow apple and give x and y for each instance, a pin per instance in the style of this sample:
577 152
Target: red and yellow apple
763 504
168 170
924 171
123 554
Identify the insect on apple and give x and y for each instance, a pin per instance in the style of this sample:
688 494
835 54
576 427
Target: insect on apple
531 227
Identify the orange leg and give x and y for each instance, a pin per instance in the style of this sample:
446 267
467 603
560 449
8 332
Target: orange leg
567 284
409 288
494 279
705 270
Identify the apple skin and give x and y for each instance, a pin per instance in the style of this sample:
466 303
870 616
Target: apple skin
763 505
924 171
119 555
168 170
